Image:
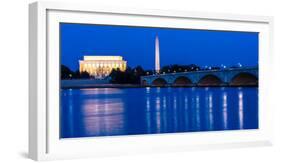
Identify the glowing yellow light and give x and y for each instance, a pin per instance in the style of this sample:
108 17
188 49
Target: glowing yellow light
101 66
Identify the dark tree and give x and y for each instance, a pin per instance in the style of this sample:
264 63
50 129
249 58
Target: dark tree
76 74
84 75
130 76
233 67
137 73
66 73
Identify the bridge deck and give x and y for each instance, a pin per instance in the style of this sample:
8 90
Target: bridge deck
224 77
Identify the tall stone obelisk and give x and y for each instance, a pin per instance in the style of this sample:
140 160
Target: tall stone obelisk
157 55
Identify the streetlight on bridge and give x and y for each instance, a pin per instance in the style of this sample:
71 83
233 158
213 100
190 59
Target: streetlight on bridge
239 65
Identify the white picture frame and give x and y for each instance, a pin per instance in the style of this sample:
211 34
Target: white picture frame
44 142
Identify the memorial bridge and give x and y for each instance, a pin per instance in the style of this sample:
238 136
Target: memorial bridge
244 76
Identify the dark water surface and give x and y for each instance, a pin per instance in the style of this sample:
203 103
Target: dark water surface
130 111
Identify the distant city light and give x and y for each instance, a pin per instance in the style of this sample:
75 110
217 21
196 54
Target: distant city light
223 66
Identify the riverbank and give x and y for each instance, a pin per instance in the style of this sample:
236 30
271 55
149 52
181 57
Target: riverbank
76 84
84 83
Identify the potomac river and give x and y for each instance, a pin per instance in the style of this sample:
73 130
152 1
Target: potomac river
130 111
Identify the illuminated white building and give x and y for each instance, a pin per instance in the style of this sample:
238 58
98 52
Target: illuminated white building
101 66
157 55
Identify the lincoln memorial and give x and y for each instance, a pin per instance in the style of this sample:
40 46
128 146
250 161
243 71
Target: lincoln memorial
101 66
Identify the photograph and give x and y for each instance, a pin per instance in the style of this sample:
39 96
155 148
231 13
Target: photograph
118 80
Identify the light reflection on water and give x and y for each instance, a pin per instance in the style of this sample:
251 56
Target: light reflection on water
241 109
128 111
224 110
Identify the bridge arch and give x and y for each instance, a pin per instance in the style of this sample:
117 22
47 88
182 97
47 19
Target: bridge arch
210 80
144 82
159 82
182 81
244 78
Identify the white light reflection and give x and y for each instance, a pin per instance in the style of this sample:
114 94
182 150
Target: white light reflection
158 114
158 103
186 110
148 115
107 111
164 102
210 111
224 110
147 104
103 117
175 113
147 90
198 125
241 109
100 91
164 115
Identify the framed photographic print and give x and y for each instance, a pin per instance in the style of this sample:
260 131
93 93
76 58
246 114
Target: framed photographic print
110 81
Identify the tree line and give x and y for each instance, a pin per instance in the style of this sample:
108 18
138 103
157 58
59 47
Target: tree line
67 73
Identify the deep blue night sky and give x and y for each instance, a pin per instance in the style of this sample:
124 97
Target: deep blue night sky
177 46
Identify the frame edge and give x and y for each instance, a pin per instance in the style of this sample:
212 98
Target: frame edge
37 145
32 83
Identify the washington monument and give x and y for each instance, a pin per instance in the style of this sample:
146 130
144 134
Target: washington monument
157 55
